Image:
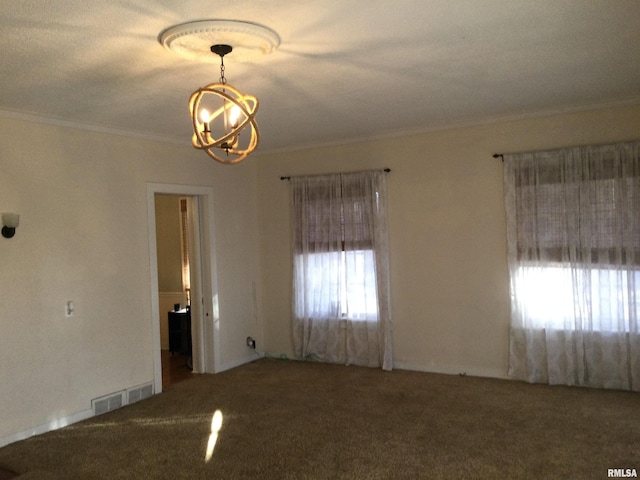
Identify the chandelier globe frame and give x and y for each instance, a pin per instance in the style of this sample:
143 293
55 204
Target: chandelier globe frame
223 119
223 143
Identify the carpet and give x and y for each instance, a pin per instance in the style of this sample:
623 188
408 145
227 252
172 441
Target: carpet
299 420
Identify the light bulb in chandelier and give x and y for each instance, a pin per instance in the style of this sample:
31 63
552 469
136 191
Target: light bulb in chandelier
234 115
223 118
205 117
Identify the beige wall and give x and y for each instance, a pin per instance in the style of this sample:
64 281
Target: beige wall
168 243
449 280
84 236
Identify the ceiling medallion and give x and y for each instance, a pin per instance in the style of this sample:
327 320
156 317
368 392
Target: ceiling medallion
193 40
219 112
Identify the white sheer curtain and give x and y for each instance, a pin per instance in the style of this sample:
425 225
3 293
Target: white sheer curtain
341 269
573 231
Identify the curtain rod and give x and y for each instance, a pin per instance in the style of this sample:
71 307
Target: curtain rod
386 170
552 150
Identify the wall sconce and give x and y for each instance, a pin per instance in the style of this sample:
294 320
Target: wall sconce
10 222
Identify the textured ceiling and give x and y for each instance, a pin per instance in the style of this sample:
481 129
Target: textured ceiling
345 70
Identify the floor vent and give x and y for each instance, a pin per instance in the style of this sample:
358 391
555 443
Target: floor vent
107 403
140 393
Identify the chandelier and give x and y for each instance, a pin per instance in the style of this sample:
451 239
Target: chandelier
219 114
223 118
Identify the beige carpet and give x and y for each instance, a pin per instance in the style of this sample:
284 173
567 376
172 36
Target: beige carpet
295 420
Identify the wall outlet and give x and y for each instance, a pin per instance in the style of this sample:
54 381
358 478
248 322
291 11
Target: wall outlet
251 343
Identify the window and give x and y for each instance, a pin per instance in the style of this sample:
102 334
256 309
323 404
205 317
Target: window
340 274
577 253
348 295
573 237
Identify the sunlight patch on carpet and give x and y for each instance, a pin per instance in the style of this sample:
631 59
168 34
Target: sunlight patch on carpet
216 425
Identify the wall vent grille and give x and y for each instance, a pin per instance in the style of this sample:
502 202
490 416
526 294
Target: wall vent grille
140 393
108 402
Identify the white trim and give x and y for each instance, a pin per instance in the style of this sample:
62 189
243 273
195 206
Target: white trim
462 123
74 418
58 122
209 345
46 427
454 370
239 362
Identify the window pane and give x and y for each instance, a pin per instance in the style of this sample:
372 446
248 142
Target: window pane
339 285
360 299
560 298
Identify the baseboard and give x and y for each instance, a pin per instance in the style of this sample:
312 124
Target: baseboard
46 427
126 397
453 370
431 368
253 356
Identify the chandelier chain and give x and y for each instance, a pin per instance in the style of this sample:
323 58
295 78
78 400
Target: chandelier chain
223 80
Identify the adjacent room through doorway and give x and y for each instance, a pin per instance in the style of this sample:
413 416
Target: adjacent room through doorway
183 286
173 237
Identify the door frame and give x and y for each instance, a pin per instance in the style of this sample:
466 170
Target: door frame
205 320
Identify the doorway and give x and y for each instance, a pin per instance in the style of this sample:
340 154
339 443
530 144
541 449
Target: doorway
203 288
174 238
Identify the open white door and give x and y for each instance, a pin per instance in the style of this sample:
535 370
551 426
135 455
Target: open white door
204 317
